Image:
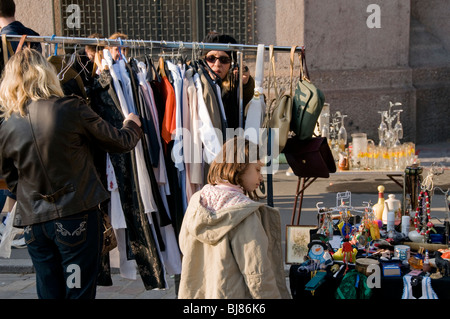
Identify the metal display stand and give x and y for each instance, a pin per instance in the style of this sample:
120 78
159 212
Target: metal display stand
304 182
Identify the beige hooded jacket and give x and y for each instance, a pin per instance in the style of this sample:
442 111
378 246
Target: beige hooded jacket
232 253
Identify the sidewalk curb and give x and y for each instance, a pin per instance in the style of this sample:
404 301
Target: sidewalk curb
16 266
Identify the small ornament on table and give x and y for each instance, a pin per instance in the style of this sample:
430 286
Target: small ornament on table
319 251
347 250
426 263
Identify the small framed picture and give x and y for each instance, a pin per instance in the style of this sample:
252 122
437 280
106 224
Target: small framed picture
297 240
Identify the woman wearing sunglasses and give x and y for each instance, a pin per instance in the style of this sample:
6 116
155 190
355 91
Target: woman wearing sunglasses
222 67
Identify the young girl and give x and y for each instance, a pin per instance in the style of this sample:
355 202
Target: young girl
231 244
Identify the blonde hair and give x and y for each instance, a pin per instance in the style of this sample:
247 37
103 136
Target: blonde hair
232 161
27 76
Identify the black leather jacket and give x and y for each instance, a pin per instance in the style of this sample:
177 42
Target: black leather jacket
47 162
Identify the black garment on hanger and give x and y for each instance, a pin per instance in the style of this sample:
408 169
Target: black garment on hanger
106 103
163 215
150 135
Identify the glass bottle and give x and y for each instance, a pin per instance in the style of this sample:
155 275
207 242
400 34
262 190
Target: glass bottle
382 128
398 127
379 207
342 135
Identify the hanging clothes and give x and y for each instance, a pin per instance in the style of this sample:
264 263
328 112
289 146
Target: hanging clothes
168 165
168 92
208 132
161 220
211 99
192 144
139 234
177 72
123 88
157 217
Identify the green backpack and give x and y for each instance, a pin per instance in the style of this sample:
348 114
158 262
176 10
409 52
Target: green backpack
307 105
353 286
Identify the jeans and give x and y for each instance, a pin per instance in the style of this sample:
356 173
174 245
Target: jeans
66 255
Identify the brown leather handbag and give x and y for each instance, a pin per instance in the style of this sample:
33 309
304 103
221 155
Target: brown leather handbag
109 238
310 158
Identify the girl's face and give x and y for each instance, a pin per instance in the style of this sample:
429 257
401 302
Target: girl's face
219 62
252 177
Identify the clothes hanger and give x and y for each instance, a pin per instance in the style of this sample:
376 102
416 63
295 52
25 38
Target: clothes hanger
83 66
63 60
152 73
66 68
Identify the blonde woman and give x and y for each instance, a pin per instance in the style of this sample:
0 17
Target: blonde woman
231 244
45 142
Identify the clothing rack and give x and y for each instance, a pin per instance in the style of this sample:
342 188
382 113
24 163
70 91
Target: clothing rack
179 45
146 43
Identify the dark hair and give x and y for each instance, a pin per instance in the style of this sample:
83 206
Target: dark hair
7 8
215 37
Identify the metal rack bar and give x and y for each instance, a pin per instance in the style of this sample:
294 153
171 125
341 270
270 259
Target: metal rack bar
154 44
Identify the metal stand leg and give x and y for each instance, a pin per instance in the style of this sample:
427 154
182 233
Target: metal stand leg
305 183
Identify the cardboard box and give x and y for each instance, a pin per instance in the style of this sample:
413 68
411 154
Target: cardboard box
391 270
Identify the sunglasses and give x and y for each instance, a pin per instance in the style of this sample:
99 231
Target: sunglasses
222 59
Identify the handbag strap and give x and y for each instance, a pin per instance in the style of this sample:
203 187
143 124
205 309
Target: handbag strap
21 42
304 74
272 73
272 68
291 61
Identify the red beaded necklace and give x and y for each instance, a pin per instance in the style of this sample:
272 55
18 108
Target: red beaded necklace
423 195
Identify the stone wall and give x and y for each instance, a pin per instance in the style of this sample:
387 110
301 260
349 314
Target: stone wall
37 15
362 69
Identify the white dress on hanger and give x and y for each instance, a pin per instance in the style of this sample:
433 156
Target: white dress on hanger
192 144
209 135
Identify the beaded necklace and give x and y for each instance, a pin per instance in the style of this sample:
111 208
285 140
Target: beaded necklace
423 195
